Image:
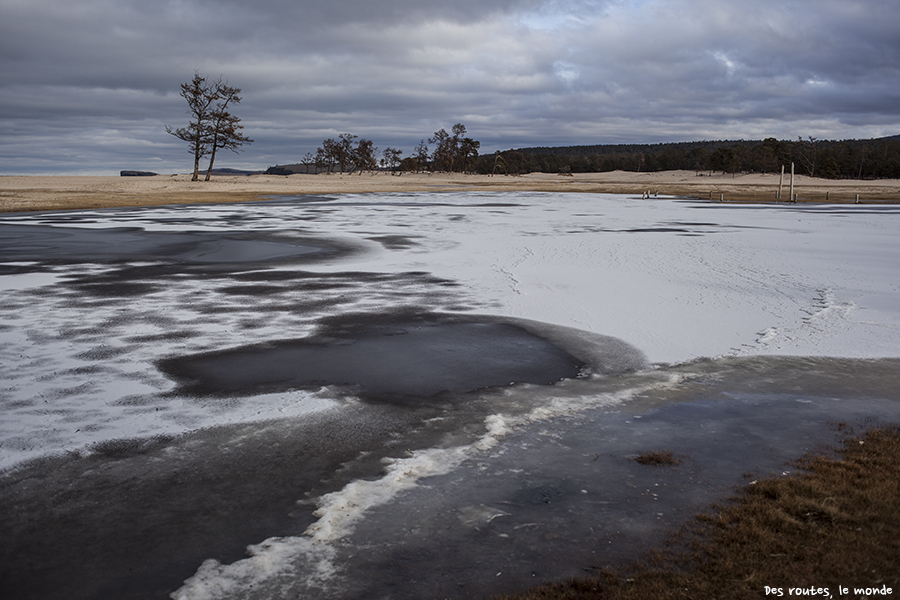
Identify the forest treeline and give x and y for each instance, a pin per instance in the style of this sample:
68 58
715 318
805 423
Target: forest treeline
847 159
455 152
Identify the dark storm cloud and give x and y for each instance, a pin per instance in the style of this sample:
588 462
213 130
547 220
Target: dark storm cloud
87 86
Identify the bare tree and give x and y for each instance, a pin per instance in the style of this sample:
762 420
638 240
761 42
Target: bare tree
344 149
468 153
421 156
453 152
211 125
327 155
391 158
499 163
410 164
442 157
201 97
341 153
225 128
309 161
337 152
363 156
808 152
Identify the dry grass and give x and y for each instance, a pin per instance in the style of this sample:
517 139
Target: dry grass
38 193
657 459
834 525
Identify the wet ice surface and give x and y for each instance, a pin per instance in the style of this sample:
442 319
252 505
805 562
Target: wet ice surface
552 501
395 362
526 474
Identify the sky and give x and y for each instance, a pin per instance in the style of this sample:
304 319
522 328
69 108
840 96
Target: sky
88 86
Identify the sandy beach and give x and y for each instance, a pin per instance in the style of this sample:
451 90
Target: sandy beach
38 193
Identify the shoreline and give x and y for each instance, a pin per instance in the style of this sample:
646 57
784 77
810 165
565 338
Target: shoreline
30 193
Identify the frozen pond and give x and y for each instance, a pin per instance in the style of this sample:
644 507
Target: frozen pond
407 395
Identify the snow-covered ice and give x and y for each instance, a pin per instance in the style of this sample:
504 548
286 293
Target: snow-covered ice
676 279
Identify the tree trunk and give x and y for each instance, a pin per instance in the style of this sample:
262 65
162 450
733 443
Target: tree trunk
212 159
792 183
196 176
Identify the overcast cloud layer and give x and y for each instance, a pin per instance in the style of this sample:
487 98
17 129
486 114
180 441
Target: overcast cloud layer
87 86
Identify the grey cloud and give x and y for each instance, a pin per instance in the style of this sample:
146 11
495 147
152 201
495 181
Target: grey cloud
97 76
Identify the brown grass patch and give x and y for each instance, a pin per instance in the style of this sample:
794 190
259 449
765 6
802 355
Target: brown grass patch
657 459
39 193
834 526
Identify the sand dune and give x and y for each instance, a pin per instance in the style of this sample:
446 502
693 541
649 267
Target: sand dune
35 193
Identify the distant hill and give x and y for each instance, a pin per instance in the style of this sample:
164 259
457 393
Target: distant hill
235 172
294 168
843 159
601 149
708 145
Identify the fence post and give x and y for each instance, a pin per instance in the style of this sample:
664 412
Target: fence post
793 199
780 184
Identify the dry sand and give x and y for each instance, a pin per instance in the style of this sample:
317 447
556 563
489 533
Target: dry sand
38 193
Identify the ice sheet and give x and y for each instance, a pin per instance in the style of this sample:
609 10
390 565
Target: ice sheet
675 278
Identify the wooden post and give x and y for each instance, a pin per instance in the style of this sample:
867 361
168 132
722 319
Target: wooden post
780 183
792 184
